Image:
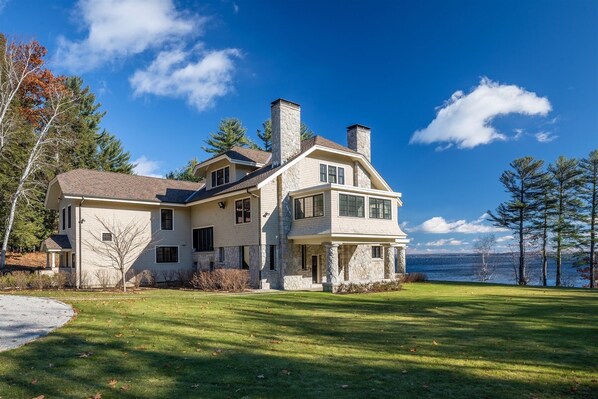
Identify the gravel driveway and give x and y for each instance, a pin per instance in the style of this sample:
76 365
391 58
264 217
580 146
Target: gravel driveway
24 319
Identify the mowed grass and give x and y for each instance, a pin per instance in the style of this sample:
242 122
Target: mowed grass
428 340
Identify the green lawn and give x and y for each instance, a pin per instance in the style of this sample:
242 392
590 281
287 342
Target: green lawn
428 340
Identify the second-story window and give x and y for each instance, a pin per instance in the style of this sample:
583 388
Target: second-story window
351 205
220 176
309 207
166 219
380 208
69 216
243 211
63 218
332 174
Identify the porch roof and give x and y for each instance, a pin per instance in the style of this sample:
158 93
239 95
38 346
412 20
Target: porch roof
56 242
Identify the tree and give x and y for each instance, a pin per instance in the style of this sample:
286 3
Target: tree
567 180
484 246
543 221
231 133
110 155
185 173
127 243
266 135
524 184
589 195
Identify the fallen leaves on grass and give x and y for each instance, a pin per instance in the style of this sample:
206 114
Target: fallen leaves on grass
112 383
285 372
85 354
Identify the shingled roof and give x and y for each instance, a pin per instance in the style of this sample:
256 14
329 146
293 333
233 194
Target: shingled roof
93 183
57 242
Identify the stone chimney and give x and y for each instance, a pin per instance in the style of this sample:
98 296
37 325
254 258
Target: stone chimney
286 131
358 139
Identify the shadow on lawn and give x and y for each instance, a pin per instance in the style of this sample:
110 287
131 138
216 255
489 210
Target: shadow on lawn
308 345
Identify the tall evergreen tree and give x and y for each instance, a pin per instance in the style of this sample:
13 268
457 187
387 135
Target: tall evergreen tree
567 179
543 221
589 195
524 184
185 173
110 155
231 133
266 134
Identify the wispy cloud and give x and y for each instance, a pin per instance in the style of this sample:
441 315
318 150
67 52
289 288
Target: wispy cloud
199 76
465 119
117 29
504 239
439 225
545 137
147 167
443 242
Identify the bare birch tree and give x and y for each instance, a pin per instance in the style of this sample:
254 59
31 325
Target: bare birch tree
484 246
125 244
56 100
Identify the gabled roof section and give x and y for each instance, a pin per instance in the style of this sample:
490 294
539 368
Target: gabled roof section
97 184
323 142
239 155
56 242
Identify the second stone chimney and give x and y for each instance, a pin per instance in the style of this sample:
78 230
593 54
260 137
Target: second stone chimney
286 131
358 139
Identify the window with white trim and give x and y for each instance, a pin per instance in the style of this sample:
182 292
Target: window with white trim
380 208
332 174
309 207
166 218
351 205
220 176
106 237
167 254
243 211
70 216
203 239
63 218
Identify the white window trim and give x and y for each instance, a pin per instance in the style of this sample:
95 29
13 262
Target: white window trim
167 246
63 219
381 252
311 195
365 206
223 176
69 217
161 229
382 199
235 212
337 166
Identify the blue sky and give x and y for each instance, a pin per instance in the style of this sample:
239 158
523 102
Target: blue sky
453 90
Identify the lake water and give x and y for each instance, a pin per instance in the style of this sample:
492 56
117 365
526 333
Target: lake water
463 267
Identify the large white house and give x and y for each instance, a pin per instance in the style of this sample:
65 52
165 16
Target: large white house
312 213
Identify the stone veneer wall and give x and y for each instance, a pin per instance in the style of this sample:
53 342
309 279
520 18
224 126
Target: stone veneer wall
286 131
358 139
361 265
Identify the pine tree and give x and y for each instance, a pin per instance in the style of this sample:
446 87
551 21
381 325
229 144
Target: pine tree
543 221
266 134
185 173
589 195
524 184
567 180
110 155
231 133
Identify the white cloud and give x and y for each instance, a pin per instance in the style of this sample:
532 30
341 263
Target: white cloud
122 28
146 167
445 242
465 119
200 78
545 137
439 225
504 239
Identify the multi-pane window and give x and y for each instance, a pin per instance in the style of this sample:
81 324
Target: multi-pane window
166 219
106 236
167 254
332 174
221 255
203 239
309 207
272 257
243 211
220 177
377 252
69 216
380 208
351 205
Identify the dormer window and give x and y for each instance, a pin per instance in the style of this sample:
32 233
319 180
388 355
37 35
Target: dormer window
220 177
332 174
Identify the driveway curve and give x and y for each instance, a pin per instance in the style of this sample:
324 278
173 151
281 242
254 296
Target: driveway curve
24 319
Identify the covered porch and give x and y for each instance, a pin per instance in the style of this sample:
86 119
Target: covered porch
59 252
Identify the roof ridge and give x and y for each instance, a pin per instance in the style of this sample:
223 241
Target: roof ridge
129 174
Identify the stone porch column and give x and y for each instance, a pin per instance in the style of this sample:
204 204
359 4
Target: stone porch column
53 257
331 267
389 262
402 263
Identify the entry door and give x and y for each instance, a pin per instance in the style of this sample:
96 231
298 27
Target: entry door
314 269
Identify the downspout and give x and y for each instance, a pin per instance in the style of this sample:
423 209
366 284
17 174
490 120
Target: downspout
80 240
